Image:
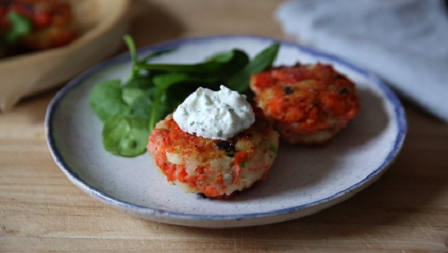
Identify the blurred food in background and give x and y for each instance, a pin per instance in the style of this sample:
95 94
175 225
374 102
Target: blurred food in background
32 25
65 38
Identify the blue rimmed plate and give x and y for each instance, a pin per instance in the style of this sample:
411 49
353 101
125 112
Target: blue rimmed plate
302 181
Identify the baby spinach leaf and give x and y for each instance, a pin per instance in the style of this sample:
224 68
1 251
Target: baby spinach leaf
106 100
222 57
240 81
238 61
130 94
163 82
136 69
114 129
141 82
141 106
192 86
174 96
138 94
191 68
166 106
212 65
134 58
155 54
125 135
20 27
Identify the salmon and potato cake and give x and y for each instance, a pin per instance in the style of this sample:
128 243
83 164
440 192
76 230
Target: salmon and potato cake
213 167
306 104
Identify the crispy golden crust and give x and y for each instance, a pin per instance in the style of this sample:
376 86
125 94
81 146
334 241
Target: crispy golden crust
307 104
215 168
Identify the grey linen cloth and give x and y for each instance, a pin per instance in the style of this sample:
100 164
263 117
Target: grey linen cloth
404 41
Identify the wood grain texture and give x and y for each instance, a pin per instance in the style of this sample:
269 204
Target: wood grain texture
40 210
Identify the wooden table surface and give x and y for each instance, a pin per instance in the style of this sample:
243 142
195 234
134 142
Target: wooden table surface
40 210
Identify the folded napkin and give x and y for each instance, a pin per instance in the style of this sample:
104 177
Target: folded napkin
403 41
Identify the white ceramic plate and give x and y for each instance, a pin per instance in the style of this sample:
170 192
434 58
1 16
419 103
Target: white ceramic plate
302 181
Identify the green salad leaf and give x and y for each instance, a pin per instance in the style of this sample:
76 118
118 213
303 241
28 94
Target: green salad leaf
213 65
155 54
134 58
141 107
239 60
106 100
130 94
240 81
125 135
195 68
131 109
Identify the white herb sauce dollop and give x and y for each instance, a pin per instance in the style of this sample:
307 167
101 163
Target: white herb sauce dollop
214 114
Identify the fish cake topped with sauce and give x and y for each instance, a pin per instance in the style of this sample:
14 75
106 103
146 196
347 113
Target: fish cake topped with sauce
213 144
213 167
307 104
